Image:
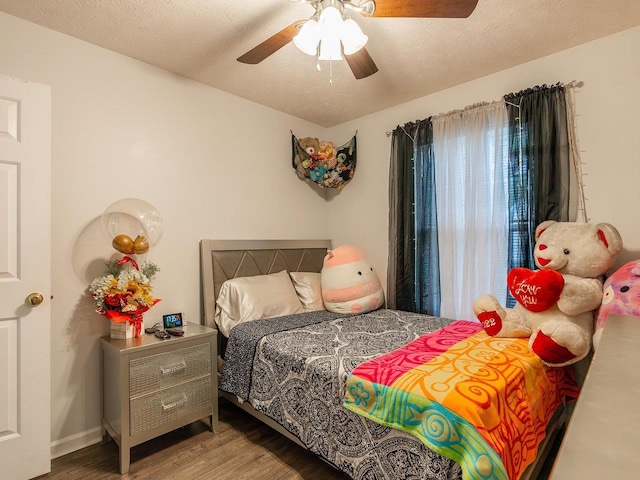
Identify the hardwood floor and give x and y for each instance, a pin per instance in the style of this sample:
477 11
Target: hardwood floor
243 449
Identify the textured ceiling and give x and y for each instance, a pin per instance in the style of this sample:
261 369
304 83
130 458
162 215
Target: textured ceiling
201 39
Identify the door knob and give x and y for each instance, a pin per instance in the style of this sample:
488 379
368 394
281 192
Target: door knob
34 299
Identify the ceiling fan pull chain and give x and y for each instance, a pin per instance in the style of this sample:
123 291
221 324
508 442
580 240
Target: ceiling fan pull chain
331 73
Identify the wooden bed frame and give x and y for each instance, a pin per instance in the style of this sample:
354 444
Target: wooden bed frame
221 260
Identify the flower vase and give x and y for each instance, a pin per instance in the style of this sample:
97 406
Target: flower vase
122 330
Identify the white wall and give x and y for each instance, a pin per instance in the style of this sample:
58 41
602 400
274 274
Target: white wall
216 166
608 127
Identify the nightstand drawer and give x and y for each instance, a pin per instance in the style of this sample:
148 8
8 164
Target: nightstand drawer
153 410
155 372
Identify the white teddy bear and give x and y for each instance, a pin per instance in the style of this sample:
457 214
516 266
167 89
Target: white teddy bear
555 305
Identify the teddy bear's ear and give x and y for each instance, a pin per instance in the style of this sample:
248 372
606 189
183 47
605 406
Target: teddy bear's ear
611 238
543 226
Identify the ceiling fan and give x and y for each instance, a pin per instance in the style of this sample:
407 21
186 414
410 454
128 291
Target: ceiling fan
330 33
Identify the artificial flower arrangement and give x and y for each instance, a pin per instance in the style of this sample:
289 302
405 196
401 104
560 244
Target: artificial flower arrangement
125 293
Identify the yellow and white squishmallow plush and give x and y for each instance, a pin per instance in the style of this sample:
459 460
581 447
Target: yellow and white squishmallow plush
350 284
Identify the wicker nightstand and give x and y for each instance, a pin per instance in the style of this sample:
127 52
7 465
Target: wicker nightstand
153 386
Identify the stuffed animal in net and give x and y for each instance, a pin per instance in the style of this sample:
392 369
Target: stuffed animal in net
350 284
305 148
621 296
555 305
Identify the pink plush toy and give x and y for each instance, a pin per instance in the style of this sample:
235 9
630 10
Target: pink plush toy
555 305
349 282
621 296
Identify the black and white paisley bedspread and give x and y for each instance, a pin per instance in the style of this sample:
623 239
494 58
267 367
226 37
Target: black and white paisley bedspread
244 339
299 378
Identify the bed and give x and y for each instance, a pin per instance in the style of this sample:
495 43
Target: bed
293 371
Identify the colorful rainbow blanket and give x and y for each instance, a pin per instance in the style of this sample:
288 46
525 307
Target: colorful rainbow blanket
479 400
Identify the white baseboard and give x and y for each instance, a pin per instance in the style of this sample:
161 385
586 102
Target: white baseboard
75 442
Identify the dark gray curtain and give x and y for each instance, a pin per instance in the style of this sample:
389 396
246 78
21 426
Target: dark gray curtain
539 167
401 261
427 277
413 274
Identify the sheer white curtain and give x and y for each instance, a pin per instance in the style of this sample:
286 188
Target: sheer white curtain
471 177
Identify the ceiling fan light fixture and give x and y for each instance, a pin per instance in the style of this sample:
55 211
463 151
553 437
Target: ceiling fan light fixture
308 37
352 37
330 19
330 48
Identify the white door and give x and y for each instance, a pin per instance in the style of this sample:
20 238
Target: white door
25 258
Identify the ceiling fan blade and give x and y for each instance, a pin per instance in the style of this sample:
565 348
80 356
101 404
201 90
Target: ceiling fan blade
361 64
271 45
424 8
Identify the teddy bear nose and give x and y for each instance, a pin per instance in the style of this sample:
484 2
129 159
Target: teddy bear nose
542 247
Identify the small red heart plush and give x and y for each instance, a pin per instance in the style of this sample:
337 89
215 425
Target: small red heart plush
491 322
536 291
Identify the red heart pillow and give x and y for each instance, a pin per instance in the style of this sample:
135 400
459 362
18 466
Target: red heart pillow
536 291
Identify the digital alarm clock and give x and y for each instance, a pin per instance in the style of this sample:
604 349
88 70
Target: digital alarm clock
172 320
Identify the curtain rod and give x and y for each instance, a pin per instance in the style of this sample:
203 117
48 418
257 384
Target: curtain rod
571 84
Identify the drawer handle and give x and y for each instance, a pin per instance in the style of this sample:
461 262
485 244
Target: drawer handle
173 369
177 403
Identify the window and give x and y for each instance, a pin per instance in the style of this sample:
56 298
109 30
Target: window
473 185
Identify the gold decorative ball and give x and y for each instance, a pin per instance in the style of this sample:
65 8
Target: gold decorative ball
123 244
140 245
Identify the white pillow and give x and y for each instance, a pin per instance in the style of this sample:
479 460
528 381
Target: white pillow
244 299
309 289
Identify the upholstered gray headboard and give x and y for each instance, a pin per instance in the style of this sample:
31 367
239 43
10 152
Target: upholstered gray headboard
221 260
